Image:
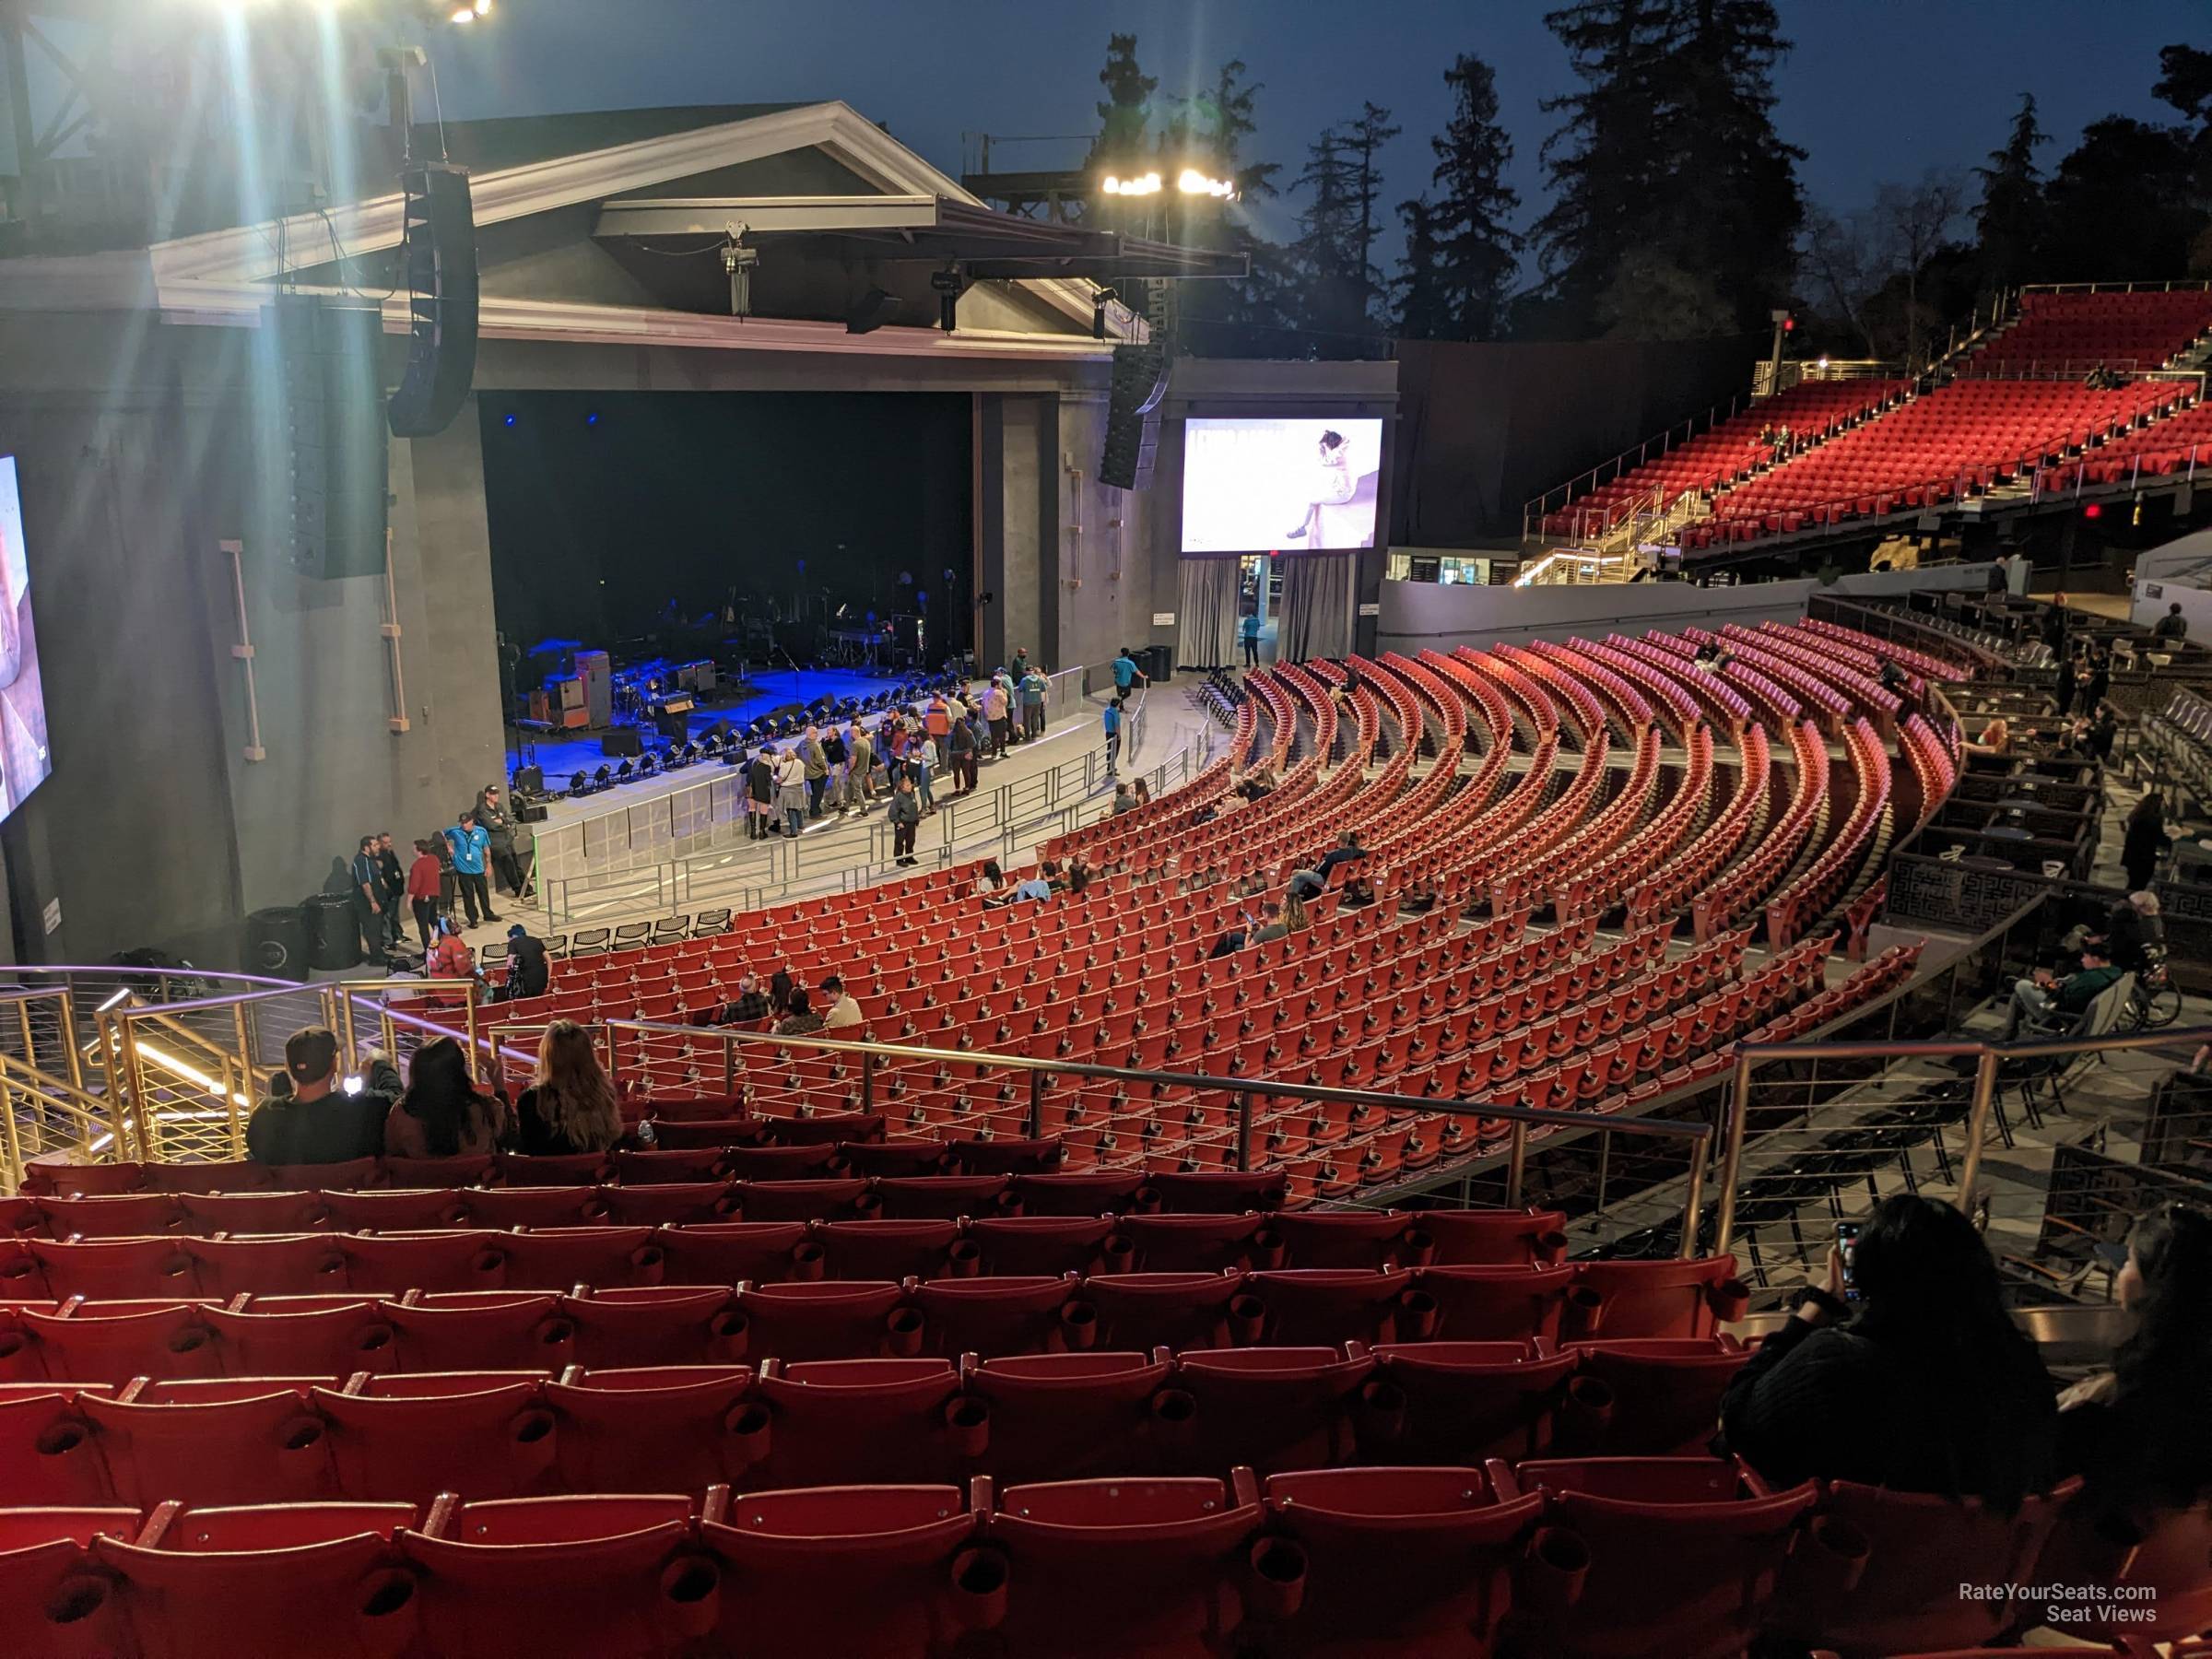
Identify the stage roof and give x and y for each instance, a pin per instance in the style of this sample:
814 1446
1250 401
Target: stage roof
576 214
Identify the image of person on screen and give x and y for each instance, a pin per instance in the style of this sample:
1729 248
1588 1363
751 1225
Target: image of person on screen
23 754
1332 485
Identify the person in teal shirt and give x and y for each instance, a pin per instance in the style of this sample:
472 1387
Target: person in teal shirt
1034 687
471 843
1114 733
1126 673
1251 639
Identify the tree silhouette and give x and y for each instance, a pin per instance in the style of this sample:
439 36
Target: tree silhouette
2010 218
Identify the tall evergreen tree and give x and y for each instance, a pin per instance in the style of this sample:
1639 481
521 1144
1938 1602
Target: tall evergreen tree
1424 312
2123 205
1668 159
1328 257
1729 209
1476 254
1363 138
1126 112
1603 163
2010 218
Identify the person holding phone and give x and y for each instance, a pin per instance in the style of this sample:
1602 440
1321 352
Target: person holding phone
321 1119
1924 1384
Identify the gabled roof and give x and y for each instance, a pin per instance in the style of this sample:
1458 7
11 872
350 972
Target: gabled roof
208 276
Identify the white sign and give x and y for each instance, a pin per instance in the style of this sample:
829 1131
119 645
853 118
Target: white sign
1372 608
1163 619
53 915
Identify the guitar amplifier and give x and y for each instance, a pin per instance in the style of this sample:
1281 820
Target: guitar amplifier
676 705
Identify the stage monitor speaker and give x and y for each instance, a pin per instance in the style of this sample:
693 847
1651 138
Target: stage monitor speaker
531 812
597 674
441 276
1131 423
530 780
337 458
623 741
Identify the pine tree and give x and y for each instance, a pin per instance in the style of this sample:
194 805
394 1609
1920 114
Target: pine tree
1729 204
1476 254
1602 162
1424 312
1126 110
1363 138
1670 161
1328 256
2010 219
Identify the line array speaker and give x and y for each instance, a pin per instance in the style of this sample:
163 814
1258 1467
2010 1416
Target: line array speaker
441 276
337 461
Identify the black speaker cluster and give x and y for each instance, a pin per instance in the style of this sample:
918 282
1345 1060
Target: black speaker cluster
441 270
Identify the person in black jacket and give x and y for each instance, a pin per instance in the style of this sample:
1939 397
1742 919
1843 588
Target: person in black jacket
2140 1433
529 972
1930 1387
2143 841
321 1121
760 793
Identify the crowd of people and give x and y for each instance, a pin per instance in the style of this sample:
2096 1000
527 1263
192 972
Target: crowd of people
843 767
312 1115
449 876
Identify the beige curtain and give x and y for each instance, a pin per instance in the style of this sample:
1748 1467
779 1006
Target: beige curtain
1318 607
1206 615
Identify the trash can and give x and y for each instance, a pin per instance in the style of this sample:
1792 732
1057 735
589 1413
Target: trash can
276 942
1163 663
333 938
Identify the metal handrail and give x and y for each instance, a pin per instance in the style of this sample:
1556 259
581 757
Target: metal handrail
1988 1058
20 1080
1521 1118
1534 509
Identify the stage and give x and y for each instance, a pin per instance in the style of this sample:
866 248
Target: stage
567 753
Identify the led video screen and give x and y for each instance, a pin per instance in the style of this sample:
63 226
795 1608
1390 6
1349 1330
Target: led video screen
24 761
1279 485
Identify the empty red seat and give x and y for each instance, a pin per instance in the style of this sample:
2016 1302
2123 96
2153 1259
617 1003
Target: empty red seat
891 1571
54 1600
1415 1560
691 1426
1268 1408
294 1578
1644 1396
1659 1299
1068 1413
1647 1558
214 1441
1121 1566
523 1578
407 1437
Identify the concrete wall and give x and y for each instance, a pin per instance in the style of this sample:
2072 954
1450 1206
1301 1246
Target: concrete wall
1419 615
141 453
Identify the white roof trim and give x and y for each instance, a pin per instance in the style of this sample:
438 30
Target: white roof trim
247 253
237 305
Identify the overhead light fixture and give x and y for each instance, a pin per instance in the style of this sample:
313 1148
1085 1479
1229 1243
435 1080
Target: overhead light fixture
465 14
1150 185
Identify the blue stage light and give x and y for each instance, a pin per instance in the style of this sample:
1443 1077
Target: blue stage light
592 419
510 419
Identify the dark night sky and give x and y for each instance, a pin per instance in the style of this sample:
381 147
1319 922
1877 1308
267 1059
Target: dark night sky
1867 92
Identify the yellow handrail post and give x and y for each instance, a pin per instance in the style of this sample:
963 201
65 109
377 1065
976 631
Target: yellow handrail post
1977 1129
14 1143
1731 1153
76 1058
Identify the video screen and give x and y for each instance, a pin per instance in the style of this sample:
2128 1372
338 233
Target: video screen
24 761
1279 485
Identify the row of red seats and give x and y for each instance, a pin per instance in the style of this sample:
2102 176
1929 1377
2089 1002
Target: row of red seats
405 1437
337 1333
1865 838
2071 334
1580 1557
2174 445
568 1241
1722 701
1941 447
1868 647
1731 450
1672 885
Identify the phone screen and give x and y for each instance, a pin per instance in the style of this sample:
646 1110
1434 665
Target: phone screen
1847 1242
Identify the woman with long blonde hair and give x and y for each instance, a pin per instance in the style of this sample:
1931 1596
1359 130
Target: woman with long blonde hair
570 1107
